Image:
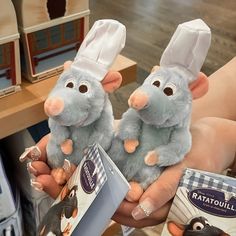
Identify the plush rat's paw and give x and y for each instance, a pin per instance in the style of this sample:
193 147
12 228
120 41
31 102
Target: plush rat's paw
151 158
130 145
168 156
135 192
59 175
67 147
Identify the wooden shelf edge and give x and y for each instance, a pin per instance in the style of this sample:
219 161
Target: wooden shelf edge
25 108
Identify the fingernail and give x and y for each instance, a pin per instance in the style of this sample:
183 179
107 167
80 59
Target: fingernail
36 185
35 153
24 155
66 165
143 210
31 169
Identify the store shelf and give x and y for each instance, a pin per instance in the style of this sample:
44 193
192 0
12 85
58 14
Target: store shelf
25 108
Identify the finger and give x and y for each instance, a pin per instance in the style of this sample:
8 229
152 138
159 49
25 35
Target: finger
32 153
129 221
38 168
42 147
37 152
159 193
48 185
155 218
126 208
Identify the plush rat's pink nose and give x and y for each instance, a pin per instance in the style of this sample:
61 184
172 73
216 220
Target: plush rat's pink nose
53 106
138 100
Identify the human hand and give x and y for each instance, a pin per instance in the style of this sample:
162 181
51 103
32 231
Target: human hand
213 150
43 179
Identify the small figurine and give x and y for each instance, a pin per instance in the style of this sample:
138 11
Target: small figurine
79 110
67 207
154 131
198 226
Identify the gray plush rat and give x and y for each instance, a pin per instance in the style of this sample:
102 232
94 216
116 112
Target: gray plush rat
78 107
154 132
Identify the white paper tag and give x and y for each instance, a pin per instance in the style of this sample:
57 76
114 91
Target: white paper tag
82 189
126 230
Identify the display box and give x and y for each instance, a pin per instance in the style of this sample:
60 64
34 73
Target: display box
10 76
51 33
89 199
204 204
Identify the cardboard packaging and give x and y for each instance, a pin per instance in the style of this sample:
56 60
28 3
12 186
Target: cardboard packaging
204 204
94 192
51 33
10 76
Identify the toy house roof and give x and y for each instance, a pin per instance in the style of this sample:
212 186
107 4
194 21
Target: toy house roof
32 13
8 22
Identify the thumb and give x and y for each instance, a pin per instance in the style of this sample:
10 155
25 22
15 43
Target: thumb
159 192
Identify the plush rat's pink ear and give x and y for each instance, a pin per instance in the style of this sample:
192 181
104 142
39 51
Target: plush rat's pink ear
155 68
199 87
67 65
112 81
175 229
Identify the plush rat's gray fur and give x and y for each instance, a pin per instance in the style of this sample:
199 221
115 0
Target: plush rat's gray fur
159 117
87 117
161 126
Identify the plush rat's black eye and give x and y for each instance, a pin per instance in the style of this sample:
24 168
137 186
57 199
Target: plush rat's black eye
157 83
83 88
170 89
70 85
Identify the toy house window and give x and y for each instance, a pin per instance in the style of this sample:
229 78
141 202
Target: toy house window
54 42
7 65
5 55
55 36
40 42
69 32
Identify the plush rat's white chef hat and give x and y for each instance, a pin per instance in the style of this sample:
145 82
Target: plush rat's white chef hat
188 48
100 47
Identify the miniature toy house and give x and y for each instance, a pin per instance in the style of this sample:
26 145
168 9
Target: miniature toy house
51 33
10 77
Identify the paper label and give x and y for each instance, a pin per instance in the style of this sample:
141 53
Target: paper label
81 189
204 203
126 230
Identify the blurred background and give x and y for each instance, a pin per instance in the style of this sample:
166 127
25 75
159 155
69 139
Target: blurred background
150 25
